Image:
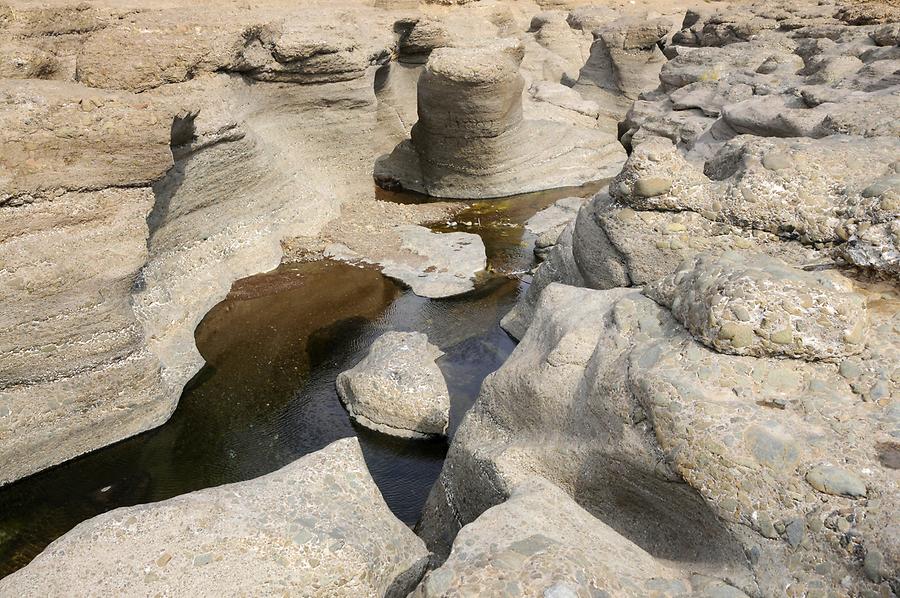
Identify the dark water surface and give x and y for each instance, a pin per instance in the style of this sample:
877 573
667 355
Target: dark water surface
266 397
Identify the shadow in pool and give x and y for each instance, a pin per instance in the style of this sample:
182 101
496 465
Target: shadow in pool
266 397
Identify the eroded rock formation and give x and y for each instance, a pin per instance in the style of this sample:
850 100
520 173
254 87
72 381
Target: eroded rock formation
736 424
471 140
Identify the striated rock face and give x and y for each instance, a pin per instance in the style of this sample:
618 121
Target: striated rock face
745 469
398 388
540 542
471 139
750 304
126 216
316 527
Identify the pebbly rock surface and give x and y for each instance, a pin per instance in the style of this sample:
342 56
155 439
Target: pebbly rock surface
751 304
398 388
472 141
316 527
540 542
768 472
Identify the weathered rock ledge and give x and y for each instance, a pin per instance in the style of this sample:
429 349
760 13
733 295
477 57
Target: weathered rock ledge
317 527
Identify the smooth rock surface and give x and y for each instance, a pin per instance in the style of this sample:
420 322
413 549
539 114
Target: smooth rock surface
317 527
398 388
432 264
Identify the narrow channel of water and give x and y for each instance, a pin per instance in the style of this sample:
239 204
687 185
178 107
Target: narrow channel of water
266 397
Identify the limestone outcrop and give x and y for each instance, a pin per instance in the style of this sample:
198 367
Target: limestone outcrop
471 140
315 527
398 388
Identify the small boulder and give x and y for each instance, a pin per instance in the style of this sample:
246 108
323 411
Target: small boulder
398 388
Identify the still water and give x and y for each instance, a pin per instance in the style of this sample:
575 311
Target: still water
266 396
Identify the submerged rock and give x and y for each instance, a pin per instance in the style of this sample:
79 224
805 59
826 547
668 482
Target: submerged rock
432 264
398 388
316 527
471 140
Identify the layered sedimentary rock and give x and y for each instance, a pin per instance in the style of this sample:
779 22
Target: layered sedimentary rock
398 388
126 216
472 141
316 527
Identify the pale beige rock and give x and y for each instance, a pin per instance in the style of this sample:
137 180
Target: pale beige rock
316 527
471 140
398 388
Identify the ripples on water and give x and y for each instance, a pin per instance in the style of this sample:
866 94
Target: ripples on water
266 396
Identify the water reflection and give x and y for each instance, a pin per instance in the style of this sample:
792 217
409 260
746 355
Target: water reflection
266 396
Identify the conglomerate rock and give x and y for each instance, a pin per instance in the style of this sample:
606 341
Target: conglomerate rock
317 527
762 471
751 304
743 427
398 388
540 542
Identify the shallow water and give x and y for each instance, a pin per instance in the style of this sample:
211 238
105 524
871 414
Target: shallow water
266 397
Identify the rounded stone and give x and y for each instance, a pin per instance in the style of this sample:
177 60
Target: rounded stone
836 481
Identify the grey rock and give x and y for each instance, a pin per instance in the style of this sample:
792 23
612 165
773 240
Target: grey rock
432 264
749 304
835 480
398 388
545 544
256 537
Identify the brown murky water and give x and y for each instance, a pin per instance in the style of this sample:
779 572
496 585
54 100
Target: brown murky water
266 396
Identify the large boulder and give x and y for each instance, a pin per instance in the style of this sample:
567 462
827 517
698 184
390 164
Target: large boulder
316 527
540 542
750 469
472 141
398 388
